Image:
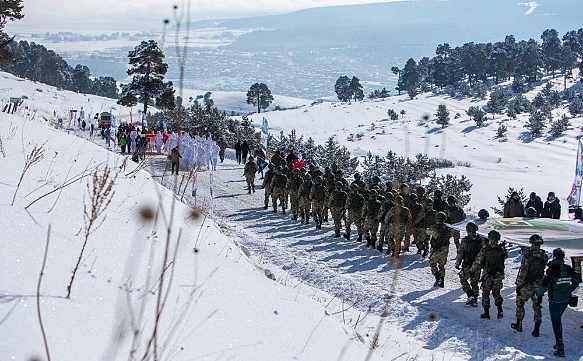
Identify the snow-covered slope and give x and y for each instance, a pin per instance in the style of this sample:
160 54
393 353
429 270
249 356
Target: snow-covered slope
220 304
541 165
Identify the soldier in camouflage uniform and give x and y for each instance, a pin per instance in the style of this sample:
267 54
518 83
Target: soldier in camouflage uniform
530 277
467 253
354 205
399 218
455 214
318 198
371 218
440 235
267 183
491 261
417 223
304 199
293 185
278 185
384 234
429 220
358 181
330 183
337 205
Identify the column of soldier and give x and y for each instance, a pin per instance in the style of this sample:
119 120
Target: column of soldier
385 215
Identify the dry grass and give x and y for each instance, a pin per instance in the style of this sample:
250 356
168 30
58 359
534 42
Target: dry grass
33 158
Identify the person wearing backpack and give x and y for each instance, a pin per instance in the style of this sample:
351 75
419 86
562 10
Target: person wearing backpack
560 281
529 279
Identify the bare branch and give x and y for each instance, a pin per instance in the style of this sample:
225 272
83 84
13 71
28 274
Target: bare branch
33 158
40 277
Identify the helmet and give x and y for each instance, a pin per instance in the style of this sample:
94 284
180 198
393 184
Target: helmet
376 179
372 193
483 214
357 176
494 235
559 254
471 227
318 179
429 202
437 193
338 184
531 212
441 217
399 200
413 197
536 240
451 200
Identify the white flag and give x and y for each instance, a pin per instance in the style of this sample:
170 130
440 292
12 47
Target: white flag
575 195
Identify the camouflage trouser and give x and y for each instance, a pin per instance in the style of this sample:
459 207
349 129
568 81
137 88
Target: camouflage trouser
492 284
277 194
384 234
437 261
523 295
337 215
267 194
285 198
294 200
398 232
456 238
407 235
420 237
304 208
317 208
471 288
250 182
371 228
356 218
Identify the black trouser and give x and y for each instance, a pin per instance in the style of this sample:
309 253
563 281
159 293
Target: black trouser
556 310
175 165
123 149
244 157
238 156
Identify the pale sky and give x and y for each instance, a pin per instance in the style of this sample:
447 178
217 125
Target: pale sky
142 14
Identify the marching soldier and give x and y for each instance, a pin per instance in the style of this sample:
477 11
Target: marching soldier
491 260
371 215
440 235
354 205
338 206
468 252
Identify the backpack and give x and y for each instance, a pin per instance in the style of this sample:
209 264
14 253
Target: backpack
537 262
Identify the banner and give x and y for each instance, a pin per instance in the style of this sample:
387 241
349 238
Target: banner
264 134
567 235
574 197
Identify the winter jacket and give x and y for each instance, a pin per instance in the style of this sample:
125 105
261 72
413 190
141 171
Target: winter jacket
439 205
440 237
317 193
373 208
532 268
355 201
513 208
491 260
469 249
277 160
174 156
455 214
552 209
250 168
537 204
560 280
338 198
417 214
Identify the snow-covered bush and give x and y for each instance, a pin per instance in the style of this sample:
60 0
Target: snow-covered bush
451 185
518 105
536 123
576 105
501 131
559 126
392 114
477 114
442 115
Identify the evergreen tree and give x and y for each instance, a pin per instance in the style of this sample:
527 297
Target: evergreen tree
409 78
576 105
551 50
167 100
568 59
497 103
529 60
571 40
10 10
343 89
442 115
208 101
356 89
260 96
478 115
395 70
536 123
80 79
559 126
147 69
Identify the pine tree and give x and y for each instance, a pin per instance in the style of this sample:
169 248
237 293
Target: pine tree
559 126
374 166
501 131
147 69
497 103
342 88
442 115
409 78
551 50
167 99
478 115
81 80
568 61
356 89
10 10
395 70
576 105
260 96
536 123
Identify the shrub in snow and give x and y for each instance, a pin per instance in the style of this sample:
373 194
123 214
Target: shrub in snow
442 115
457 116
403 112
497 103
477 114
559 126
536 123
539 101
392 114
451 185
576 105
518 105
480 90
501 131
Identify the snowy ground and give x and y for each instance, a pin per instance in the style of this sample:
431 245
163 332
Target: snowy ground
325 303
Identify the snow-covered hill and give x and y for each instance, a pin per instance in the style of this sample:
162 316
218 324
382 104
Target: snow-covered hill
540 165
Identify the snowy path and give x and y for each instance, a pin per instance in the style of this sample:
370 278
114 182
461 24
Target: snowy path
362 277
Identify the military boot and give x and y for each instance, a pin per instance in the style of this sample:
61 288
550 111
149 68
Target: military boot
486 314
380 246
517 326
347 235
337 234
359 239
441 282
437 280
500 312
536 331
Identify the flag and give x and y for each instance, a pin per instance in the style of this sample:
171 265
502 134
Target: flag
264 134
575 195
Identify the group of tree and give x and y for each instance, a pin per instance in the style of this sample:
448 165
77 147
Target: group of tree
148 69
475 64
348 89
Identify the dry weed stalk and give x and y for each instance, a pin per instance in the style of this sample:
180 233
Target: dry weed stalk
38 312
100 189
33 158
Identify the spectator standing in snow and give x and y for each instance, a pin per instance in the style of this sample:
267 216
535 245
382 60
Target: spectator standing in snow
552 207
122 142
513 207
244 151
158 142
174 158
238 151
535 202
